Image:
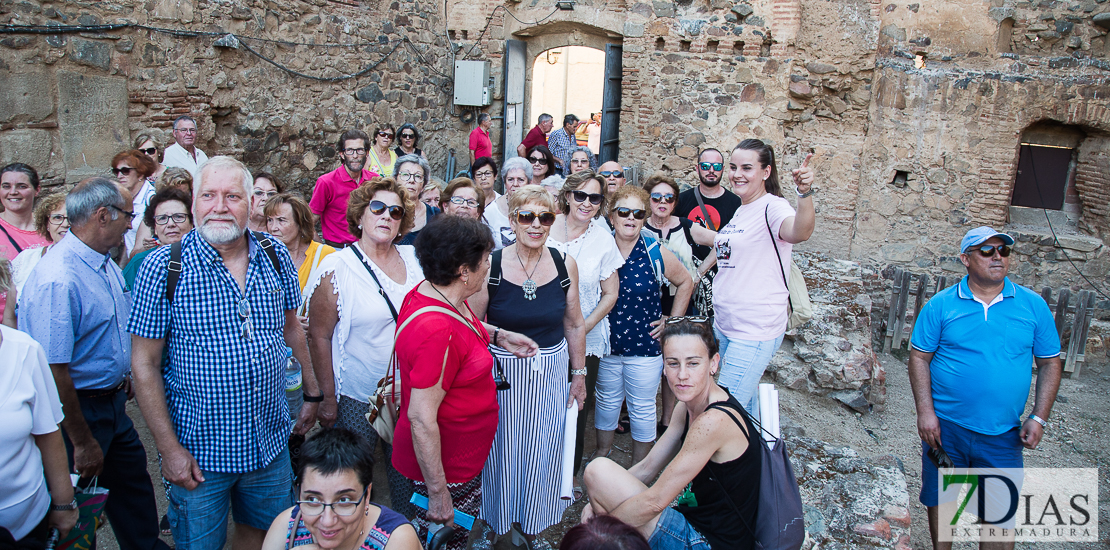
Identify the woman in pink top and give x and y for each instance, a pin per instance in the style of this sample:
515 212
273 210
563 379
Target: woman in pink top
750 297
19 185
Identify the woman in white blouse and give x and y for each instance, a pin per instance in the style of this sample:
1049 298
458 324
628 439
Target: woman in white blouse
580 233
352 313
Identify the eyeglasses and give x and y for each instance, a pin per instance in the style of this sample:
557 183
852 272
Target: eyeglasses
58 219
635 212
526 217
484 174
540 160
186 130
126 170
130 215
408 136
386 134
987 250
150 151
267 194
377 207
581 196
611 174
246 330
165 218
459 201
665 198
354 152
715 166
341 508
411 176
690 318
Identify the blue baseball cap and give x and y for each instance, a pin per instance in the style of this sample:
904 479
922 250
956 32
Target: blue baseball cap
979 235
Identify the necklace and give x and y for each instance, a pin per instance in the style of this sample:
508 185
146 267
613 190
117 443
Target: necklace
529 285
446 300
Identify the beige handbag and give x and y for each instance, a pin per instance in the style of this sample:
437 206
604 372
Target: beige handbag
801 309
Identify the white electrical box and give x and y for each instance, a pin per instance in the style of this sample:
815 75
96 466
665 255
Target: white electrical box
472 83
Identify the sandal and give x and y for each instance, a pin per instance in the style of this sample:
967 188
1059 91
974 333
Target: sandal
164 525
578 493
623 426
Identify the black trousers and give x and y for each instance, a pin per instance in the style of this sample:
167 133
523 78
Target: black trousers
592 365
131 508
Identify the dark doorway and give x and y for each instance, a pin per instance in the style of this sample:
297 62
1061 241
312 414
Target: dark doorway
1044 174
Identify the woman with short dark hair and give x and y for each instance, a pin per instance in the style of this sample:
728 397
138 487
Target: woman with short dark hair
463 198
543 163
603 533
168 217
333 510
484 174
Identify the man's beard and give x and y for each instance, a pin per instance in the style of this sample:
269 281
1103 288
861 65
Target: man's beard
708 183
355 165
219 234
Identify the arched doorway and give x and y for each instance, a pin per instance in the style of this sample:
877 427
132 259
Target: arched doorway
569 80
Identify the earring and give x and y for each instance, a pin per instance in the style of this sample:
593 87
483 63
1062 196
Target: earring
360 227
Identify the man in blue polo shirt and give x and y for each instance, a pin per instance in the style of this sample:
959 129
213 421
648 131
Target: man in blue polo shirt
970 367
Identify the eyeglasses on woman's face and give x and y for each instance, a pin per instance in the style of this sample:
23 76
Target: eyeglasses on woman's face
58 219
538 160
407 136
345 506
164 219
376 208
459 201
418 177
150 151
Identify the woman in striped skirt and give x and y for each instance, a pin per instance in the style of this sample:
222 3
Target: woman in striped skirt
533 291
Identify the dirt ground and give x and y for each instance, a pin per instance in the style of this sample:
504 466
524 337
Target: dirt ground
1075 439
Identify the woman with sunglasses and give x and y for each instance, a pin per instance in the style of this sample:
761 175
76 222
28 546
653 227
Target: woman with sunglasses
333 509
707 458
533 290
484 174
543 163
148 146
52 224
581 158
518 172
448 391
412 172
407 138
380 159
132 168
580 233
168 217
677 234
463 197
630 373
352 313
753 252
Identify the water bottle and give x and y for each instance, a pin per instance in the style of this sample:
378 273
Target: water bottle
293 395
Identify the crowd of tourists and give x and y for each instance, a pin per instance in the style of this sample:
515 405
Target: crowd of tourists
469 330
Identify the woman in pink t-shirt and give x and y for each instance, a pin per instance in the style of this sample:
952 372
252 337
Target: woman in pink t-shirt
749 293
19 185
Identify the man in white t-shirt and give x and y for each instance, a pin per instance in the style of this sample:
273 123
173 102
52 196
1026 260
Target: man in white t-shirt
184 153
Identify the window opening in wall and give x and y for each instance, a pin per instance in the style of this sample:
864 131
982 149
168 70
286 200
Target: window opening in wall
738 48
711 46
1005 35
900 178
452 34
684 46
1045 172
659 43
464 33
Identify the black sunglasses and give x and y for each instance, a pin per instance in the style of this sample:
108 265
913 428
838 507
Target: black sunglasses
150 151
987 250
126 170
690 318
407 136
526 217
386 134
624 212
540 160
666 198
611 174
377 207
581 196
715 166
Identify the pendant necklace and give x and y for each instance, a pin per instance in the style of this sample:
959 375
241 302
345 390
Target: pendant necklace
529 285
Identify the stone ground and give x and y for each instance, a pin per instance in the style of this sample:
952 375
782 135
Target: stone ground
1075 440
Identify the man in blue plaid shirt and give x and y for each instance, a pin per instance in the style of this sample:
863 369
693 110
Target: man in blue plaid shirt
561 143
218 412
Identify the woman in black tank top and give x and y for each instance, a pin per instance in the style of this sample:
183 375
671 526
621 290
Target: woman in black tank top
706 455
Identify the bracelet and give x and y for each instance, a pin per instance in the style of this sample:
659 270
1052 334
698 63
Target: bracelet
811 191
313 398
64 507
1039 420
578 372
496 332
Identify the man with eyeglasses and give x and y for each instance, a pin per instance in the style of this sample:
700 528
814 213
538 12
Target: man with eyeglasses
613 173
537 135
329 197
970 352
223 304
184 153
711 206
561 143
75 304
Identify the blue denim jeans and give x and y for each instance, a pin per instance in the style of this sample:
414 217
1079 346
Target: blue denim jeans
742 365
198 518
673 532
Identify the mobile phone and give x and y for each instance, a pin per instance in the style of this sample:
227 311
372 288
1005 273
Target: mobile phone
939 458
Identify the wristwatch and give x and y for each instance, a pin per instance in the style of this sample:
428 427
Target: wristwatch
578 372
64 507
811 191
1039 420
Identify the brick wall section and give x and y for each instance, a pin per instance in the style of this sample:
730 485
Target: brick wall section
1092 180
160 109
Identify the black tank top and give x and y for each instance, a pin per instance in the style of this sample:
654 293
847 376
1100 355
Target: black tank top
706 505
540 319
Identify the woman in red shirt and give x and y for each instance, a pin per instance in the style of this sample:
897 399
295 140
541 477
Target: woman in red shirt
448 393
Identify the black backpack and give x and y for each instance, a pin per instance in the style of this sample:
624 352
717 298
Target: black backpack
174 265
495 271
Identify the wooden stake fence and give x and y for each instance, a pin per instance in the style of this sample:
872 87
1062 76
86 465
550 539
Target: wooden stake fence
1073 333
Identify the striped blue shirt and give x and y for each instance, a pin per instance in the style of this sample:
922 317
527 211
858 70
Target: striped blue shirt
225 393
